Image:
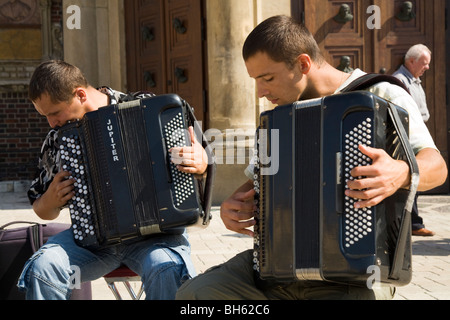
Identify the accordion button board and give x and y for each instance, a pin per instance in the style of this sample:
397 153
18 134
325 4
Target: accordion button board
81 212
176 137
357 223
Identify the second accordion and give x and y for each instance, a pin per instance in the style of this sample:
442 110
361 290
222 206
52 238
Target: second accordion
307 229
126 186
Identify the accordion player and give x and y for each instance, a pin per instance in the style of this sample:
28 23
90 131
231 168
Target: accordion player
307 229
126 186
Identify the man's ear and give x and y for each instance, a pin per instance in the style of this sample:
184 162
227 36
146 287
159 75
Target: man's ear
410 62
81 94
304 62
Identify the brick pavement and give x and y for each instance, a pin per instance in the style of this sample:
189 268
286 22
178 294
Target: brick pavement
431 256
215 245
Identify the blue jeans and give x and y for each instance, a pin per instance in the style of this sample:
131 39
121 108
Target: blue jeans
162 261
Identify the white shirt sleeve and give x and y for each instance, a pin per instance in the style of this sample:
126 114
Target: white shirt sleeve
419 136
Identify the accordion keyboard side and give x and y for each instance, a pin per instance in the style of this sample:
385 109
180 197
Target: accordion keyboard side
82 207
273 252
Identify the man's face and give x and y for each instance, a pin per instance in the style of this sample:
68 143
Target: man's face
274 80
418 67
58 114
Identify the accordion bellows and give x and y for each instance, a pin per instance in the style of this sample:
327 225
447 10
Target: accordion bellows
126 186
307 229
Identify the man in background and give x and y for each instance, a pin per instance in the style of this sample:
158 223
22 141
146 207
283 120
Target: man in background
417 61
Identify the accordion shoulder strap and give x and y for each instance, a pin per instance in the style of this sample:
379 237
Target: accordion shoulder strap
132 96
371 79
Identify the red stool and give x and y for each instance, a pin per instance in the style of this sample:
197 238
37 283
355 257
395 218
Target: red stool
125 275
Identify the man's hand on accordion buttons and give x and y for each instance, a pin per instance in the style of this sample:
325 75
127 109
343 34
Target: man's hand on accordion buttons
238 211
378 181
60 191
191 159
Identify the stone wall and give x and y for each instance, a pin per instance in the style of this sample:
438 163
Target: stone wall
29 34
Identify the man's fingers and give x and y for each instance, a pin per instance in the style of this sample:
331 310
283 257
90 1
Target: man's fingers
249 195
372 153
368 203
238 222
238 212
192 134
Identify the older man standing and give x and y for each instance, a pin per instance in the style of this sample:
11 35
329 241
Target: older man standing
417 61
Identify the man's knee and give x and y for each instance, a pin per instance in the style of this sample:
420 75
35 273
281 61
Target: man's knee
195 289
45 275
164 272
45 262
184 293
162 260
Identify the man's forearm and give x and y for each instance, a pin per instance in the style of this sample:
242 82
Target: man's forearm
432 169
44 212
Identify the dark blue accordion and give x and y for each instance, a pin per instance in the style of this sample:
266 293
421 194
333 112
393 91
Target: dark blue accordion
307 228
126 186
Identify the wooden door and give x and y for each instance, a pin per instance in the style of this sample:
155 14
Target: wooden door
165 49
338 39
376 35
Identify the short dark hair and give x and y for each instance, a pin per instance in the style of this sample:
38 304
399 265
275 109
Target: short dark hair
58 79
283 39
